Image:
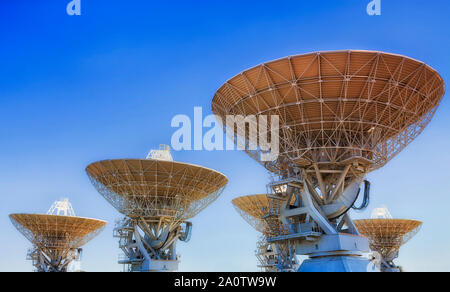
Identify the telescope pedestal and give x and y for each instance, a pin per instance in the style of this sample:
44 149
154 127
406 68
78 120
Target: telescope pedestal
335 253
44 263
145 254
387 264
337 264
153 265
317 222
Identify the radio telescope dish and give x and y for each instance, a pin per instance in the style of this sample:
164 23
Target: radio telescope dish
57 240
336 107
157 196
342 114
252 209
386 236
156 188
255 209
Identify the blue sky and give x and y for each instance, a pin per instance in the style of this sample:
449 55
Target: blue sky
77 89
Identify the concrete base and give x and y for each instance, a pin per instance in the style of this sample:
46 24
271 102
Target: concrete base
336 253
337 264
160 266
151 266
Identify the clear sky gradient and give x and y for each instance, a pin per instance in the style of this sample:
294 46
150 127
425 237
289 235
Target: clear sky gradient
77 89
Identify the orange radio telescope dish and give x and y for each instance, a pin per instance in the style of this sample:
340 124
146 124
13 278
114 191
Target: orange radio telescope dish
274 257
157 195
56 239
156 188
386 236
338 106
252 209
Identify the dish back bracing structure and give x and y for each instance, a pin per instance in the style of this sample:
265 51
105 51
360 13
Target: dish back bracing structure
255 210
56 239
386 236
341 115
157 196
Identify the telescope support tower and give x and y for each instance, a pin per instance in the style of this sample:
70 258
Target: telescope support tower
147 254
56 264
315 217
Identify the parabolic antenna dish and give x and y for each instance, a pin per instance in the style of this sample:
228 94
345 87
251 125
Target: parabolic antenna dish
256 210
336 107
386 236
157 196
53 232
252 209
140 188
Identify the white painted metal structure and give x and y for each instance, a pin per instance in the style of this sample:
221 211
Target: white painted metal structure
163 153
324 232
145 253
381 213
62 208
274 258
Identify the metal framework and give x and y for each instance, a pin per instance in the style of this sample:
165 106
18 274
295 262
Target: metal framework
266 255
342 115
336 107
386 236
62 207
157 196
57 240
272 257
252 209
275 257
